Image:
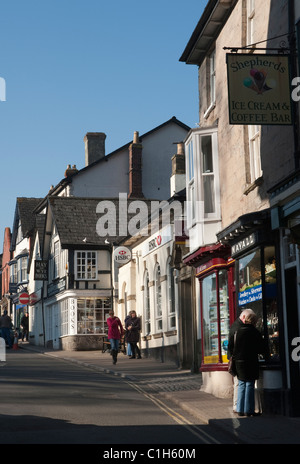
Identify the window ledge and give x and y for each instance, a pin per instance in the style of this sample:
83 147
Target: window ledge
170 333
158 335
257 183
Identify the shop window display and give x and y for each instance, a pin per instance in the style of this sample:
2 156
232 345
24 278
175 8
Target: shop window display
215 310
92 314
257 290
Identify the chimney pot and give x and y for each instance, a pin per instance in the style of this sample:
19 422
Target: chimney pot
180 148
70 170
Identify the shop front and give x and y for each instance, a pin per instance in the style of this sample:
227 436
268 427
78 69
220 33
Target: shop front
241 271
285 215
76 321
215 273
254 249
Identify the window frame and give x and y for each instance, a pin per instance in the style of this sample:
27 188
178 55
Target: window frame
146 304
212 78
250 21
158 298
22 264
171 295
254 152
83 275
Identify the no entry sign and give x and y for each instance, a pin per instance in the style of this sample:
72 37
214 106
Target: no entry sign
24 298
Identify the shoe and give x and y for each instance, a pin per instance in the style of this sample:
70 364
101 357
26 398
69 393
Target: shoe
241 414
139 357
253 414
132 357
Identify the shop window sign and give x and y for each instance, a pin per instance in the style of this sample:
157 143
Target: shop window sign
250 295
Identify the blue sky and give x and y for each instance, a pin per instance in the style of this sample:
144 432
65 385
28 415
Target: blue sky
74 66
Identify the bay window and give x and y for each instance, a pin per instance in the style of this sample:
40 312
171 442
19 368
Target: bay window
92 314
202 176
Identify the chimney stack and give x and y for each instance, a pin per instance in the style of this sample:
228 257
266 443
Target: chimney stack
94 147
135 168
177 181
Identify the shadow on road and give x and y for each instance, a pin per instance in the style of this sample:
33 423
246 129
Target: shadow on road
30 429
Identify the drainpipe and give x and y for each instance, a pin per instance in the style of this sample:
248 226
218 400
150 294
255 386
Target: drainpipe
43 314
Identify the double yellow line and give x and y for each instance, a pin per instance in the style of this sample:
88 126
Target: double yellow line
178 418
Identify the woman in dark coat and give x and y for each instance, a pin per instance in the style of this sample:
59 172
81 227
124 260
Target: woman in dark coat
133 327
248 345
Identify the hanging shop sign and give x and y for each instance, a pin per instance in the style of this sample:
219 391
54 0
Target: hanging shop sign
122 255
259 89
40 270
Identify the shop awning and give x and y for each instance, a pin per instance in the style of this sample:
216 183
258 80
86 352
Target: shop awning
245 223
203 253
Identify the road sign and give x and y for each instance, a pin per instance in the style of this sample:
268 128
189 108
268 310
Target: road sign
33 298
24 298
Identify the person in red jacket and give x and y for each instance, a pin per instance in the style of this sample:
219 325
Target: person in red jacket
115 332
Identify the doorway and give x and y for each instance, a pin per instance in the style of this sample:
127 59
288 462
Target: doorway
187 326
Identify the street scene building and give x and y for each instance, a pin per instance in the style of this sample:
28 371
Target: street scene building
240 228
210 216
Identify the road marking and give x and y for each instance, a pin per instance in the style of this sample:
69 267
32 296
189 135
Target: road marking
181 420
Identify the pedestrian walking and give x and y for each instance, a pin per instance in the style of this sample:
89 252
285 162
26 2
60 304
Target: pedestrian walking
237 324
128 346
248 345
25 326
6 325
115 332
133 326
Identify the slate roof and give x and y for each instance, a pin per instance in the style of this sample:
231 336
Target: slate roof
67 180
26 215
76 220
24 212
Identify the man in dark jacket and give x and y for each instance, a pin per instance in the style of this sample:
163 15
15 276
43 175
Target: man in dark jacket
238 323
248 345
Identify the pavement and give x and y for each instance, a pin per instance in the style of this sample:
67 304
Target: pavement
183 388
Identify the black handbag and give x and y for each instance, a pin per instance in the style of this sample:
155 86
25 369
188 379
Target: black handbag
231 362
231 366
